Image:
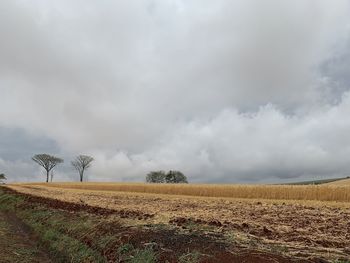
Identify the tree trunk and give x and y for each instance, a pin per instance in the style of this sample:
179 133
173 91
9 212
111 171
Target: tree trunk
47 175
82 174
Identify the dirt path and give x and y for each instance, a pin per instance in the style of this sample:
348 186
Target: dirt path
16 244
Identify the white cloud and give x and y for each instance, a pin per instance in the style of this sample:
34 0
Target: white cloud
233 146
222 90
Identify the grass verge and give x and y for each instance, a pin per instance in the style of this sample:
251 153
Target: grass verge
48 226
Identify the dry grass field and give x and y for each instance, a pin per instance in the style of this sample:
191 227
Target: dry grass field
344 182
337 191
300 221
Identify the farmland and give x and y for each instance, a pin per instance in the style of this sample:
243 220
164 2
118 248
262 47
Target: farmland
335 191
202 223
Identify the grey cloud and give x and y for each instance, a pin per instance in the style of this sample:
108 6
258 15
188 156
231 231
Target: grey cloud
19 171
17 144
335 72
234 147
165 84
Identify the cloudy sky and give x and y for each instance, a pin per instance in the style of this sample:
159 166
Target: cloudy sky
225 91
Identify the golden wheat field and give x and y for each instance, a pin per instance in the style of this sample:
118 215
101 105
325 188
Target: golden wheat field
337 191
344 182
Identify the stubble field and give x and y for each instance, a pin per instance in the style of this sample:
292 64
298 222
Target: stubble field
309 223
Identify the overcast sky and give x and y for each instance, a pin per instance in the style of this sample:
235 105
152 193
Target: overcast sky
224 91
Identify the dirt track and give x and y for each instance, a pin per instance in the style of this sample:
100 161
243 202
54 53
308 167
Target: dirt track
16 242
299 228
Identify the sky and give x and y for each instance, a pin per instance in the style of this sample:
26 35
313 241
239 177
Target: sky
244 91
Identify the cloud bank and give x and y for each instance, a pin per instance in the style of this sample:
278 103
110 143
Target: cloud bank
226 92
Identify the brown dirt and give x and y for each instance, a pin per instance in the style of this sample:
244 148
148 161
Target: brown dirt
169 244
77 207
305 229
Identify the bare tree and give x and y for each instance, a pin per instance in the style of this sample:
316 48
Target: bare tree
81 163
47 161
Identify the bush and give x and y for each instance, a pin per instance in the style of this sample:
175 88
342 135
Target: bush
2 177
156 177
172 177
175 177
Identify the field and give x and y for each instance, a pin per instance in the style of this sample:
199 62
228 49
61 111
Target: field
340 182
199 223
335 191
323 181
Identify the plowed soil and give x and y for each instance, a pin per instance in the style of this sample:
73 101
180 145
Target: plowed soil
299 230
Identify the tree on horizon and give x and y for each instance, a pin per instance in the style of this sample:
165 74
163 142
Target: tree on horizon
2 177
48 162
82 163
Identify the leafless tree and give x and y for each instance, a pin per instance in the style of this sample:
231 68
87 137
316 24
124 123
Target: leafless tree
81 163
47 161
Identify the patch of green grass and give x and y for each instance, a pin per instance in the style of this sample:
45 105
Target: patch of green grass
125 249
146 255
191 257
127 253
53 229
64 248
104 241
57 236
27 251
9 202
80 225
